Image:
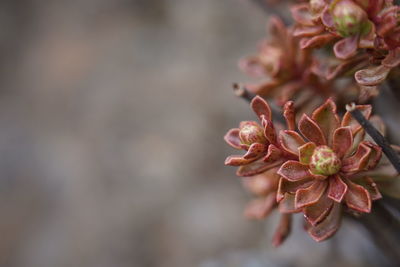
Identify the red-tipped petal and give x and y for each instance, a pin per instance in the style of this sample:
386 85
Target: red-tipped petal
232 138
289 114
237 160
261 107
273 154
283 230
357 197
342 141
294 171
359 161
346 47
286 186
348 119
269 130
256 167
372 188
291 141
317 212
260 208
255 151
310 195
328 226
307 31
311 130
337 188
372 75
316 41
327 119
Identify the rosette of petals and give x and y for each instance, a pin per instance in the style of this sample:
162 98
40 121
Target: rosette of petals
328 173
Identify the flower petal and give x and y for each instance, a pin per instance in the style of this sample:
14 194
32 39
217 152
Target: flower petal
260 208
290 141
342 141
337 188
328 226
357 197
311 130
256 167
369 184
261 107
305 152
359 161
310 195
286 186
287 204
301 14
327 119
392 60
273 154
375 156
283 230
307 31
289 114
372 75
294 171
255 151
348 119
269 130
232 138
318 211
346 47
316 41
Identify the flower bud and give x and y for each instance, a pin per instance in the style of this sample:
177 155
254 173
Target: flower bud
251 132
350 19
324 161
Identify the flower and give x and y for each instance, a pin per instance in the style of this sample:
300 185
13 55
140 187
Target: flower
330 171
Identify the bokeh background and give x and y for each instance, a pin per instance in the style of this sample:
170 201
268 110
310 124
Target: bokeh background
112 114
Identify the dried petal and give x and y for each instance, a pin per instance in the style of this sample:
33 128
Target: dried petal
372 75
328 226
337 188
305 152
318 211
294 171
311 130
357 197
290 141
232 138
261 107
310 195
327 119
342 141
346 47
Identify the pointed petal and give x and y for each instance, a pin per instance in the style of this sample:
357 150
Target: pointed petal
286 186
348 119
290 141
357 197
283 230
372 75
255 151
359 161
261 107
289 114
337 188
311 130
232 138
327 119
310 195
346 47
287 204
256 167
305 152
318 211
237 160
260 208
342 141
328 226
294 171
273 154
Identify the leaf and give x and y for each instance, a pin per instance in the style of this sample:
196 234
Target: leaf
283 230
260 208
317 212
261 107
290 141
294 171
232 138
359 161
256 167
357 197
346 47
255 151
328 226
342 141
327 119
337 188
372 75
287 204
305 152
310 195
311 130
348 119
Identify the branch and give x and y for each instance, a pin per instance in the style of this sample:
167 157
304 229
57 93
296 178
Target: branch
242 92
376 136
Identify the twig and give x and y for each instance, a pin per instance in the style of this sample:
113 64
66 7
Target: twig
375 135
242 92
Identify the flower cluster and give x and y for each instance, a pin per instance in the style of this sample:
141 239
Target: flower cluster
319 166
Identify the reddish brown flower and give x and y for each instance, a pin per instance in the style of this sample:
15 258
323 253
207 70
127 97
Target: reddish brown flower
329 170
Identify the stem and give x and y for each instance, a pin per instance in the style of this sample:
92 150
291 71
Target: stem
376 136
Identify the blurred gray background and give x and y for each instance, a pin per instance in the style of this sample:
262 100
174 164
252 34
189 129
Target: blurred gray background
112 114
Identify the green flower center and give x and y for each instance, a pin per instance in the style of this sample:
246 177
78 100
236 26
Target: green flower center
324 161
